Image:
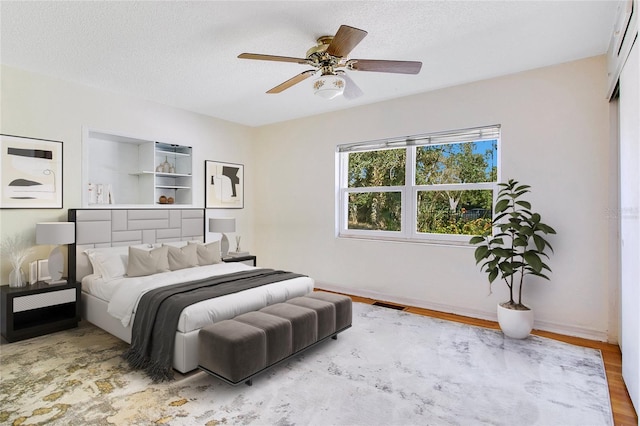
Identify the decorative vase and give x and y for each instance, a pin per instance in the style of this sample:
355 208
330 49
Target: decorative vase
515 323
17 278
237 243
166 166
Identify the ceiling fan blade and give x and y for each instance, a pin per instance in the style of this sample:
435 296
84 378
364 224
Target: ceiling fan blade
351 89
345 40
272 58
295 80
401 67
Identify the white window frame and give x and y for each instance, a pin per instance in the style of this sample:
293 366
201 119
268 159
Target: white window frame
409 192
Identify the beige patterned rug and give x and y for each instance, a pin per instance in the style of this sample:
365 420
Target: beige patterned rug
390 368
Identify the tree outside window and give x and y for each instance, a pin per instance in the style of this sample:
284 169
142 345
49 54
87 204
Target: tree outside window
419 190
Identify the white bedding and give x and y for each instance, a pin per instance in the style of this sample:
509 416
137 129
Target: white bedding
124 294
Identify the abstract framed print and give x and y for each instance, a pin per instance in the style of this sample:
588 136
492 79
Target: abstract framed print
30 173
224 185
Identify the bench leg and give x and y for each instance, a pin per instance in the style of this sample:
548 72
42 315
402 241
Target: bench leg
249 382
334 337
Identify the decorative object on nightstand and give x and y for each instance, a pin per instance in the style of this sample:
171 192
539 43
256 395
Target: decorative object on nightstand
15 249
222 225
238 252
33 272
55 233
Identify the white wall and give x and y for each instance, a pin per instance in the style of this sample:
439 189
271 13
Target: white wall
555 137
41 107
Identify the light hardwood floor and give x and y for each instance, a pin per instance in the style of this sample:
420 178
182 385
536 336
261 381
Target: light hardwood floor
623 411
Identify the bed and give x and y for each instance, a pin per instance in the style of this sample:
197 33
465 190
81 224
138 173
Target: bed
109 300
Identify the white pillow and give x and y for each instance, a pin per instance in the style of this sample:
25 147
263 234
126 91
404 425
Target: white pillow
109 262
208 254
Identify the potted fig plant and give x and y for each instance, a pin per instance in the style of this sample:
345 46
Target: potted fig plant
518 249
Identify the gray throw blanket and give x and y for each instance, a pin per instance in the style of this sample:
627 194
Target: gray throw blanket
158 312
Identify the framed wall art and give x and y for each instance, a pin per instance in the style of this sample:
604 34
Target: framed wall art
30 173
224 185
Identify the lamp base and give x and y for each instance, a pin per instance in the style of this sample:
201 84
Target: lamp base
224 245
55 264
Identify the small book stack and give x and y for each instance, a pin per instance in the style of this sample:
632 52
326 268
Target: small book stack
238 253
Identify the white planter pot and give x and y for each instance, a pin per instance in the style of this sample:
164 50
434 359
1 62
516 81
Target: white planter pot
514 323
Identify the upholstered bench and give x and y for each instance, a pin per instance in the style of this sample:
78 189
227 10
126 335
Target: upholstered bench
236 350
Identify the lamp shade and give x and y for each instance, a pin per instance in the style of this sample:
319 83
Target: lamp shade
222 224
329 86
55 233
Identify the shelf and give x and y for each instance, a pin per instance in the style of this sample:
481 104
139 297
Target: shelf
172 187
177 154
172 174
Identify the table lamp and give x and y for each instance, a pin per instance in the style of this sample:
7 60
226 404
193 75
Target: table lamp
222 225
55 233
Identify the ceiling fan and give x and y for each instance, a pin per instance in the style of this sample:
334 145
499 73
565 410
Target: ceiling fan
328 56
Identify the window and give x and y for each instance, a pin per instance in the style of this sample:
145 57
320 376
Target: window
430 187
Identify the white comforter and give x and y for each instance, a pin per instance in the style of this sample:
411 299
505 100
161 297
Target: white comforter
124 294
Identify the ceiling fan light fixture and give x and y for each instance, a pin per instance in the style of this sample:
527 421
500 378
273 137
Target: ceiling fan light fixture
329 86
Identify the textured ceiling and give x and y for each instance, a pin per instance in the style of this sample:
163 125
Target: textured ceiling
184 54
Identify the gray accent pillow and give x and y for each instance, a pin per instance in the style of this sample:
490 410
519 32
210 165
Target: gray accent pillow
208 254
183 257
143 262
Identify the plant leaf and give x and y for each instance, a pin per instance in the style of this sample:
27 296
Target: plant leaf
501 206
533 260
520 242
546 228
476 240
498 217
501 252
497 241
539 242
481 252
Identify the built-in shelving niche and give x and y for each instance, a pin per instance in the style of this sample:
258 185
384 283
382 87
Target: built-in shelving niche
127 171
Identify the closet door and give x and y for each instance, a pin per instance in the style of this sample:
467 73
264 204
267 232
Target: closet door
629 115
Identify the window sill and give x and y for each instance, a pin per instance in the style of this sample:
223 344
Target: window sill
434 241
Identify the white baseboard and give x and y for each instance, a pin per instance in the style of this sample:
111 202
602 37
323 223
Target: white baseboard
567 330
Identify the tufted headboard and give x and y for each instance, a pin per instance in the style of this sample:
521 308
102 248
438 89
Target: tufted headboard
124 227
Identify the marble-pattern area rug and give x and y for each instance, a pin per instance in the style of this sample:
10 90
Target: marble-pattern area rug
390 368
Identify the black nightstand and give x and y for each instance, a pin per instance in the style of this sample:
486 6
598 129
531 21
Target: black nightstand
249 260
39 309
